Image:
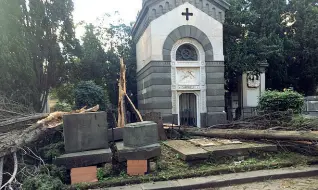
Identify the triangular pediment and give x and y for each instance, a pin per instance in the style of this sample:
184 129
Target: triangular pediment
153 9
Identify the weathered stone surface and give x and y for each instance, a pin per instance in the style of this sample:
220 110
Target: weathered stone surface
140 134
189 151
216 118
186 150
83 159
83 132
140 153
239 149
118 134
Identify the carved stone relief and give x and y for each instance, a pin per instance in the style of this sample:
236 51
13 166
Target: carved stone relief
253 80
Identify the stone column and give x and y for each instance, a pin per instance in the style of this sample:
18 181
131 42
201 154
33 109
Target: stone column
252 86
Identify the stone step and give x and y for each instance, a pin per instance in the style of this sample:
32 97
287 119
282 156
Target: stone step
224 180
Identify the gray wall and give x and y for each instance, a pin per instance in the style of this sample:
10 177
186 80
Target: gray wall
215 93
157 97
155 78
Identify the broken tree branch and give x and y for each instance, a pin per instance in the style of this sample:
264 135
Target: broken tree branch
254 134
122 92
15 171
134 108
1 170
12 112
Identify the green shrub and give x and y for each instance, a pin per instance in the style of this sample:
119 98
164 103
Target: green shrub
42 182
61 106
272 101
64 93
87 93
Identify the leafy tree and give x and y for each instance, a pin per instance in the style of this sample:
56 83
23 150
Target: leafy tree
281 33
87 93
303 52
32 33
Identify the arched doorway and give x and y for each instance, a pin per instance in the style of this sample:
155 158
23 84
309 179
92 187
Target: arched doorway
188 109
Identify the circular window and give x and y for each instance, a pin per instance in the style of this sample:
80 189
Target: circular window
187 52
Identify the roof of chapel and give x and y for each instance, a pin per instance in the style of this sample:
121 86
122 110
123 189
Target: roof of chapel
153 9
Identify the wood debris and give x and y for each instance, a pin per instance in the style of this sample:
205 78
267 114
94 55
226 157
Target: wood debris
121 95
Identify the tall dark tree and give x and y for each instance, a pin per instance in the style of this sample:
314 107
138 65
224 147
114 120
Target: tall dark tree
281 33
32 33
303 51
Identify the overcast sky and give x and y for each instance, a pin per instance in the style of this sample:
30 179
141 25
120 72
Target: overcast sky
89 10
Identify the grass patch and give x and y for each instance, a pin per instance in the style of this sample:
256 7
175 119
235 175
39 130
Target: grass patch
170 167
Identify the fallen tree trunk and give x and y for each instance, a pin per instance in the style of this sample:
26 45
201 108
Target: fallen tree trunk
254 134
21 122
12 141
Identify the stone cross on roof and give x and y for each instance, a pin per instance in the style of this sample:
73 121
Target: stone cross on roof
187 14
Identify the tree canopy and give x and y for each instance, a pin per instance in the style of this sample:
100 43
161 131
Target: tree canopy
39 51
281 33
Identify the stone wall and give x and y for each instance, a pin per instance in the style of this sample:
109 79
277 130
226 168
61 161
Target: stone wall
154 89
215 93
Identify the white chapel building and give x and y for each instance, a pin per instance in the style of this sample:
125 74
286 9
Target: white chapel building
180 60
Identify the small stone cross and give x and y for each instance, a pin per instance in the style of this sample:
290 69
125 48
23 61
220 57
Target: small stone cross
187 14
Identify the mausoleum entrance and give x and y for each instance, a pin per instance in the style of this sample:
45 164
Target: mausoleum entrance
188 77
188 109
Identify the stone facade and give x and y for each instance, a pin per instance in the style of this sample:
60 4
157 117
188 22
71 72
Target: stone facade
161 29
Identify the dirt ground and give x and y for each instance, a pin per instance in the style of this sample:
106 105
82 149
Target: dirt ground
293 184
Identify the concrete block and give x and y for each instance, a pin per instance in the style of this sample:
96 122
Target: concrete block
215 69
193 31
216 118
215 92
203 120
175 35
140 153
215 103
118 134
140 134
83 132
239 149
187 151
220 80
83 159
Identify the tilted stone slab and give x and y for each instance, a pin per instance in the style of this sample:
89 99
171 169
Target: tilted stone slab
83 159
140 153
239 149
84 132
186 150
189 151
140 134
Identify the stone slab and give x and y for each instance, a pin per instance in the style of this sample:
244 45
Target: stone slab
204 142
239 149
118 134
140 134
227 179
84 132
140 153
187 150
83 159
